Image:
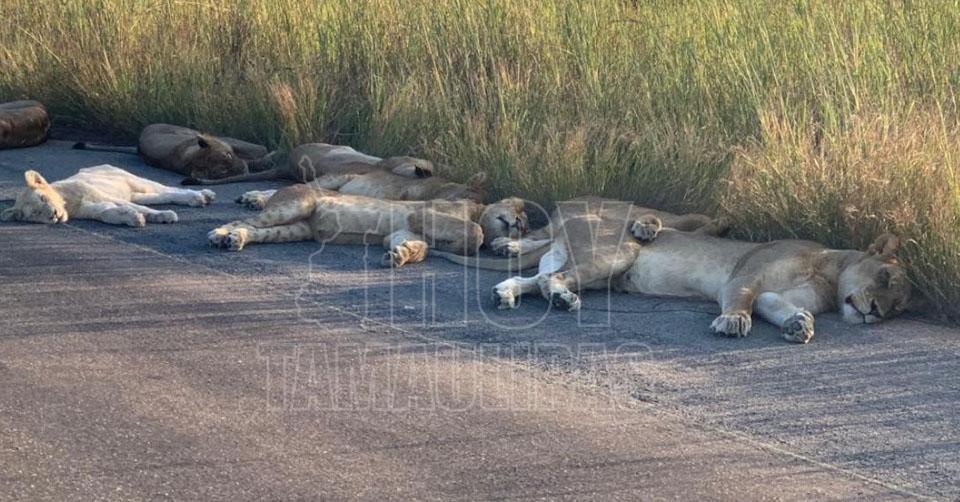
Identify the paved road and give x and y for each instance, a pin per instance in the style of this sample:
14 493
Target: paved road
141 364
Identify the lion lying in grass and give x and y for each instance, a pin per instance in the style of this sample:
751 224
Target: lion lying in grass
407 229
105 193
192 153
590 245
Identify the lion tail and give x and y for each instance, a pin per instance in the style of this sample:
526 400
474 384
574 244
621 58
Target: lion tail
522 262
275 173
83 145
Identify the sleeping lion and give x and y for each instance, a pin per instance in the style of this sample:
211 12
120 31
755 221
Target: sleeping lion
192 153
596 244
407 229
105 193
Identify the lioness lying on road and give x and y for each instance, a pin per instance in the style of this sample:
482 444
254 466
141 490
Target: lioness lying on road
105 193
348 171
407 229
192 153
23 123
310 161
787 282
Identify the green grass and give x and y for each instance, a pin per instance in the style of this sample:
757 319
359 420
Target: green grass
820 119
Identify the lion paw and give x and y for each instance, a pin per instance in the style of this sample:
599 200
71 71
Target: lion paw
567 300
163 217
737 324
392 259
505 246
646 228
208 196
253 200
135 219
232 239
798 328
503 297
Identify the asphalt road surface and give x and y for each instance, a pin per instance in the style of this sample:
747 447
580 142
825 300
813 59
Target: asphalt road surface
142 364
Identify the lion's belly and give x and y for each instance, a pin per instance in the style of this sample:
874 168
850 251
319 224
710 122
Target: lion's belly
103 180
356 215
676 274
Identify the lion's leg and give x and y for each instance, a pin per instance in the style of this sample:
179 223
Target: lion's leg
506 293
150 192
505 246
195 198
403 246
561 288
237 237
115 213
255 199
795 323
447 233
736 305
332 181
715 227
275 216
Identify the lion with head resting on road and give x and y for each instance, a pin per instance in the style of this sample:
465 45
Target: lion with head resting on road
597 244
105 193
407 229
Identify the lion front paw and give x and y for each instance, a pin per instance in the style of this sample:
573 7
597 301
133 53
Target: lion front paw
798 328
254 200
392 259
209 196
646 228
504 296
566 300
505 246
133 218
232 239
163 217
736 324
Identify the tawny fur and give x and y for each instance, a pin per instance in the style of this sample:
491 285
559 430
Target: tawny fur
22 124
407 229
348 171
192 153
595 244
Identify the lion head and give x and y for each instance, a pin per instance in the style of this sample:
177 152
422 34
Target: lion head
875 286
505 218
39 203
214 159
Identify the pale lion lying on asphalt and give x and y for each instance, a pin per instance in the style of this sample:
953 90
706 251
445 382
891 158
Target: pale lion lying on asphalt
407 229
589 246
105 193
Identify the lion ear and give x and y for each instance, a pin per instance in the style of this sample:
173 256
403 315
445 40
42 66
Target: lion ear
34 180
478 180
424 169
885 246
203 142
10 214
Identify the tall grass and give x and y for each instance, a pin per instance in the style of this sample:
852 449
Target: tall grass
820 119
